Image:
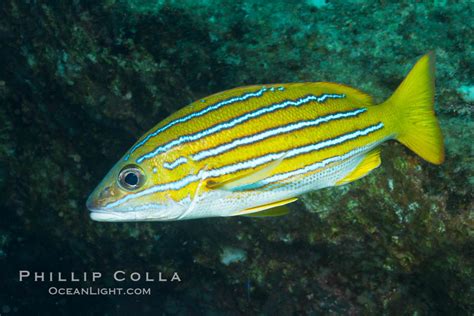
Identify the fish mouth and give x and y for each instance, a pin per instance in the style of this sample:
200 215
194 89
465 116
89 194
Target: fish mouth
129 216
143 213
100 216
153 211
107 216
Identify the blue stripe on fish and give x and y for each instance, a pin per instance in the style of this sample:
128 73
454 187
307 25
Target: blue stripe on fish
188 117
238 120
276 178
256 162
174 164
247 140
248 164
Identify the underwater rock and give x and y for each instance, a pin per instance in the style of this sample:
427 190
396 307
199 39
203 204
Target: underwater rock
231 255
80 82
467 93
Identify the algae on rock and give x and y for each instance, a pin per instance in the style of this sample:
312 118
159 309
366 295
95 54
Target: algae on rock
80 82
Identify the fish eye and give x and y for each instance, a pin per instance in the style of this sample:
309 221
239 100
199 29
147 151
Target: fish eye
131 178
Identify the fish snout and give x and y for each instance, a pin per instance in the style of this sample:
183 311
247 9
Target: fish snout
99 198
92 203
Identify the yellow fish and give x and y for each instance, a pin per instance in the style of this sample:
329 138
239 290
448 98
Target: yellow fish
249 150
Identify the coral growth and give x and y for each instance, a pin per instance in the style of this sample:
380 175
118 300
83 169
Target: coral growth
80 82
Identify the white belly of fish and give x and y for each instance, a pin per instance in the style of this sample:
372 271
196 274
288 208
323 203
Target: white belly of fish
230 203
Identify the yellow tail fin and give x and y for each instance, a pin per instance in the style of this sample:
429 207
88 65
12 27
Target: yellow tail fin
417 126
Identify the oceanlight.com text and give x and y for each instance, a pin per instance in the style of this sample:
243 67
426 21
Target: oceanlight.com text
93 291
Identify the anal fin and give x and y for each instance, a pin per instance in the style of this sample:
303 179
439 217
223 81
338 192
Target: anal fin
273 212
369 163
270 209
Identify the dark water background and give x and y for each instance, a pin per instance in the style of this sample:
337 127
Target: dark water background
80 81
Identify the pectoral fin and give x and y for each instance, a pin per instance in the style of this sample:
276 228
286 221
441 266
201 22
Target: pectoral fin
253 176
369 163
265 209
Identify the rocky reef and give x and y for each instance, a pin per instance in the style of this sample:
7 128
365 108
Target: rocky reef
81 81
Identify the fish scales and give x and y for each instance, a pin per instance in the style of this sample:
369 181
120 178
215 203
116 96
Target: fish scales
276 117
248 149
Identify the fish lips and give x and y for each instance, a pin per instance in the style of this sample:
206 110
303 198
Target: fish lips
155 212
114 216
130 216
